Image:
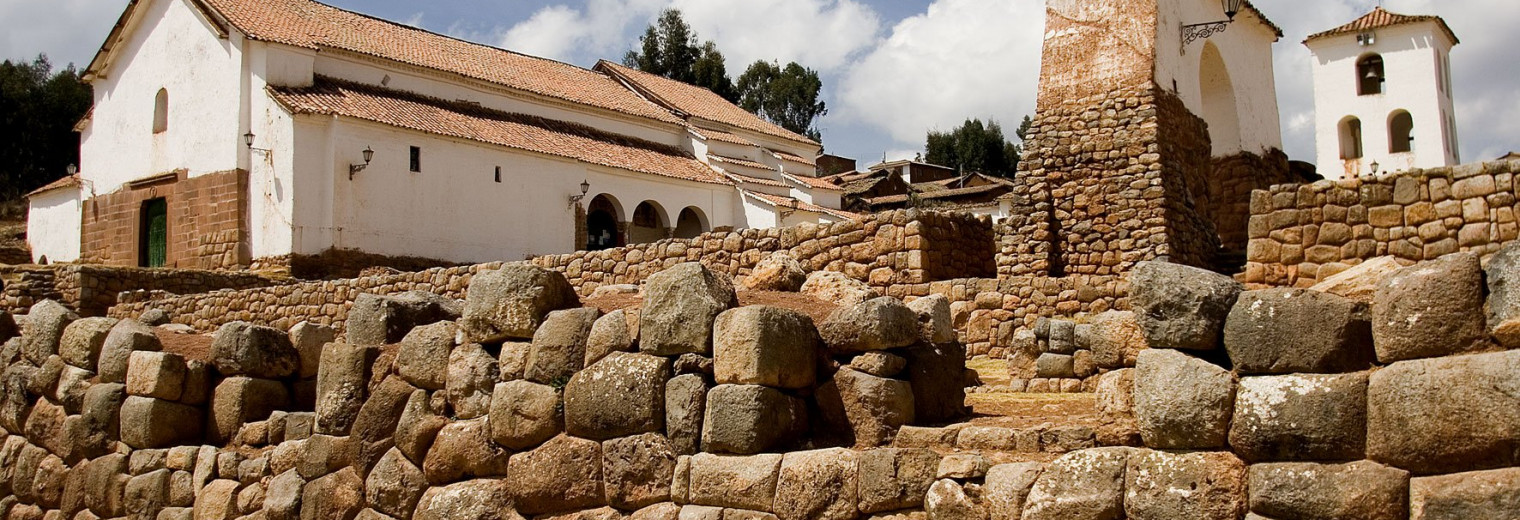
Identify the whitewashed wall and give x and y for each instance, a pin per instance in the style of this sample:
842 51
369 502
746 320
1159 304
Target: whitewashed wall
1246 50
52 229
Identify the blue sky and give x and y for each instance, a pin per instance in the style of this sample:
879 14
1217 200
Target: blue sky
892 69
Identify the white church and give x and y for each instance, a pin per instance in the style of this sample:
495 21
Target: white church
229 133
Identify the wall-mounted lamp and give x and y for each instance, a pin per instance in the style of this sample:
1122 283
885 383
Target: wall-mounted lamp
585 188
1375 167
1197 31
72 169
369 155
248 141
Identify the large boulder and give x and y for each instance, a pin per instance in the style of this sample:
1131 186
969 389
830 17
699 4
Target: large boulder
1007 488
875 324
1164 486
1181 307
244 349
1281 331
81 341
818 484
611 333
837 287
480 499
1304 417
148 423
559 345
685 406
1085 484
761 345
873 408
1431 309
337 496
342 385
240 400
418 426
938 375
126 337
1182 402
748 419
156 374
1116 339
1359 283
623 394
1503 275
465 449
948 500
778 272
744 482
680 305
378 417
562 474
394 485
1361 489
1459 496
385 320
512 301
309 338
637 470
1116 409
423 359
935 325
45 324
1446 415
524 414
472 377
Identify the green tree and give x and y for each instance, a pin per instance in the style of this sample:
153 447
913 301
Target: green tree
786 96
975 147
38 110
669 48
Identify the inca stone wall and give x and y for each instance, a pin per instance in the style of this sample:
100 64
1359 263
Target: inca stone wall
91 290
1228 201
1301 234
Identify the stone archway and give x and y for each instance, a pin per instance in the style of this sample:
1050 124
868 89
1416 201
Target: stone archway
602 229
649 223
1220 109
691 223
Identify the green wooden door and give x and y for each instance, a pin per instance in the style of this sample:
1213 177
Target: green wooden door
155 250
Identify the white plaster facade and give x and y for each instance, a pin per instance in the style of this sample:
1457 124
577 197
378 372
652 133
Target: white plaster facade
1416 80
217 81
1226 78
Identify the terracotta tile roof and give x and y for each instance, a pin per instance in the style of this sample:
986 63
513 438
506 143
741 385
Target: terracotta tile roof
699 102
1263 16
311 25
788 202
68 181
518 131
1379 18
813 182
721 136
940 194
792 157
746 179
740 162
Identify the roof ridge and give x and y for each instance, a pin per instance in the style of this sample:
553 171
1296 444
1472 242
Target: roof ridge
1380 17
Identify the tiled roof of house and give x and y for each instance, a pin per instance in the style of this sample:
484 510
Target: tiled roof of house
1380 18
312 25
69 181
940 194
1263 16
756 180
721 136
699 102
793 158
813 182
738 161
788 202
518 131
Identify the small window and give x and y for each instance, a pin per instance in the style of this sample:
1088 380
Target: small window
1351 138
416 159
161 112
498 174
1400 132
1369 75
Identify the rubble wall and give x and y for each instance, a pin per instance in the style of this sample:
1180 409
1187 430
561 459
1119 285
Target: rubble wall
93 289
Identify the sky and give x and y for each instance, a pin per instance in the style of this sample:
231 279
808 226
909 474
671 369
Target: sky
892 69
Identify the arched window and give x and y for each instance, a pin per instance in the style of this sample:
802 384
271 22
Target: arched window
602 224
1369 75
1400 132
161 112
649 223
691 223
1351 138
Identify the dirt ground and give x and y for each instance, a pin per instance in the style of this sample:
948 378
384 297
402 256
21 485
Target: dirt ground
193 347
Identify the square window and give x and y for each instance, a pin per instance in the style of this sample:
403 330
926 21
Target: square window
416 159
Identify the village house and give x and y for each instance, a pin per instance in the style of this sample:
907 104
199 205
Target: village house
236 133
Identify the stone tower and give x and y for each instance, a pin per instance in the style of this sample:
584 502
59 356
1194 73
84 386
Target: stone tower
1383 94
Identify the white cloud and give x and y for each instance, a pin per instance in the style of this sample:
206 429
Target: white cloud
960 59
820 34
67 30
414 20
600 31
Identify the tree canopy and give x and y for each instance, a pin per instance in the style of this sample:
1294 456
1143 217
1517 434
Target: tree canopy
38 110
787 96
976 147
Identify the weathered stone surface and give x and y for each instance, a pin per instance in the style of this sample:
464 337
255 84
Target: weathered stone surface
660 511
1083 484
73 382
892 478
559 346
875 324
481 499
1361 489
511 302
239 400
873 408
762 345
1431 309
243 349
282 499
102 408
1459 496
623 394
963 466
385 320
878 363
159 375
126 337
465 449
1054 366
948 500
1164 486
611 333
748 419
338 496
472 377
744 482
81 341
837 287
147 493
1063 337
1280 331
156 423
1181 307
1446 415
218 501
680 305
562 474
637 470
308 338
1116 409
17 399
1360 282
1116 339
514 359
44 328
378 418
1503 276
342 385
394 485
1007 488
1182 402
938 375
1304 417
418 427
935 325
423 359
525 414
685 406
818 484
777 272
